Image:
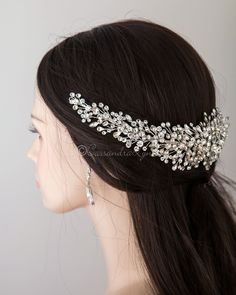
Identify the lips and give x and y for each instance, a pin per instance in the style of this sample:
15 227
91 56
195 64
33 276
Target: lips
37 182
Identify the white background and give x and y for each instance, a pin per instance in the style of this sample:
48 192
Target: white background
46 253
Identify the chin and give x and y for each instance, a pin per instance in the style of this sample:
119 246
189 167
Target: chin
57 207
52 205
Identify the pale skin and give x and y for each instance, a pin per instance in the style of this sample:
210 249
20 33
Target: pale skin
61 172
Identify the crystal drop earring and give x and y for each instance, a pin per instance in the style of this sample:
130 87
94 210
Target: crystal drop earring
89 193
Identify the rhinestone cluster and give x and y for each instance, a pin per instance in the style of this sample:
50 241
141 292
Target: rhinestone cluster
185 146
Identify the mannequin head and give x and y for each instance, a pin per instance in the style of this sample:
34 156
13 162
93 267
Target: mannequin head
148 72
58 161
60 166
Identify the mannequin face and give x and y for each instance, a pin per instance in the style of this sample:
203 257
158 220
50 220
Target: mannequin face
59 167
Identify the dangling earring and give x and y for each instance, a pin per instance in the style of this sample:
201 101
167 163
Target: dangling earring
89 193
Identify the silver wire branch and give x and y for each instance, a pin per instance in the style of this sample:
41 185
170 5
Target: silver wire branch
185 146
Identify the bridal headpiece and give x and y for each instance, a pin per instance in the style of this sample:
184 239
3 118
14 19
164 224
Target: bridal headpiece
185 146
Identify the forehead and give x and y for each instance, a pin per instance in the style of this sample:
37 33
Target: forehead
40 109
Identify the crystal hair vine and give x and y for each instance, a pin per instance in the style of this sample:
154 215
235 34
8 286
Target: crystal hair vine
185 146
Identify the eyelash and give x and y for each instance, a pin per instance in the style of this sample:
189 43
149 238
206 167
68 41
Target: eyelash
34 130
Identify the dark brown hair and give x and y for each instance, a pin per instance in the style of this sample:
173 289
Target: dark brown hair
184 221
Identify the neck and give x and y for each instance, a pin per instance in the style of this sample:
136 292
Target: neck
113 224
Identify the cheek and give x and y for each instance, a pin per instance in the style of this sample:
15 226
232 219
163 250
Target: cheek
48 173
62 189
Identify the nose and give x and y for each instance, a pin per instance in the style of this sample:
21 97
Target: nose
31 155
28 154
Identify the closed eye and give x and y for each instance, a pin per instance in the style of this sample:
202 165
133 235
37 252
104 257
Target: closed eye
33 129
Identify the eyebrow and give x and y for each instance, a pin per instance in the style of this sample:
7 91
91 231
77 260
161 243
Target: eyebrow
35 117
